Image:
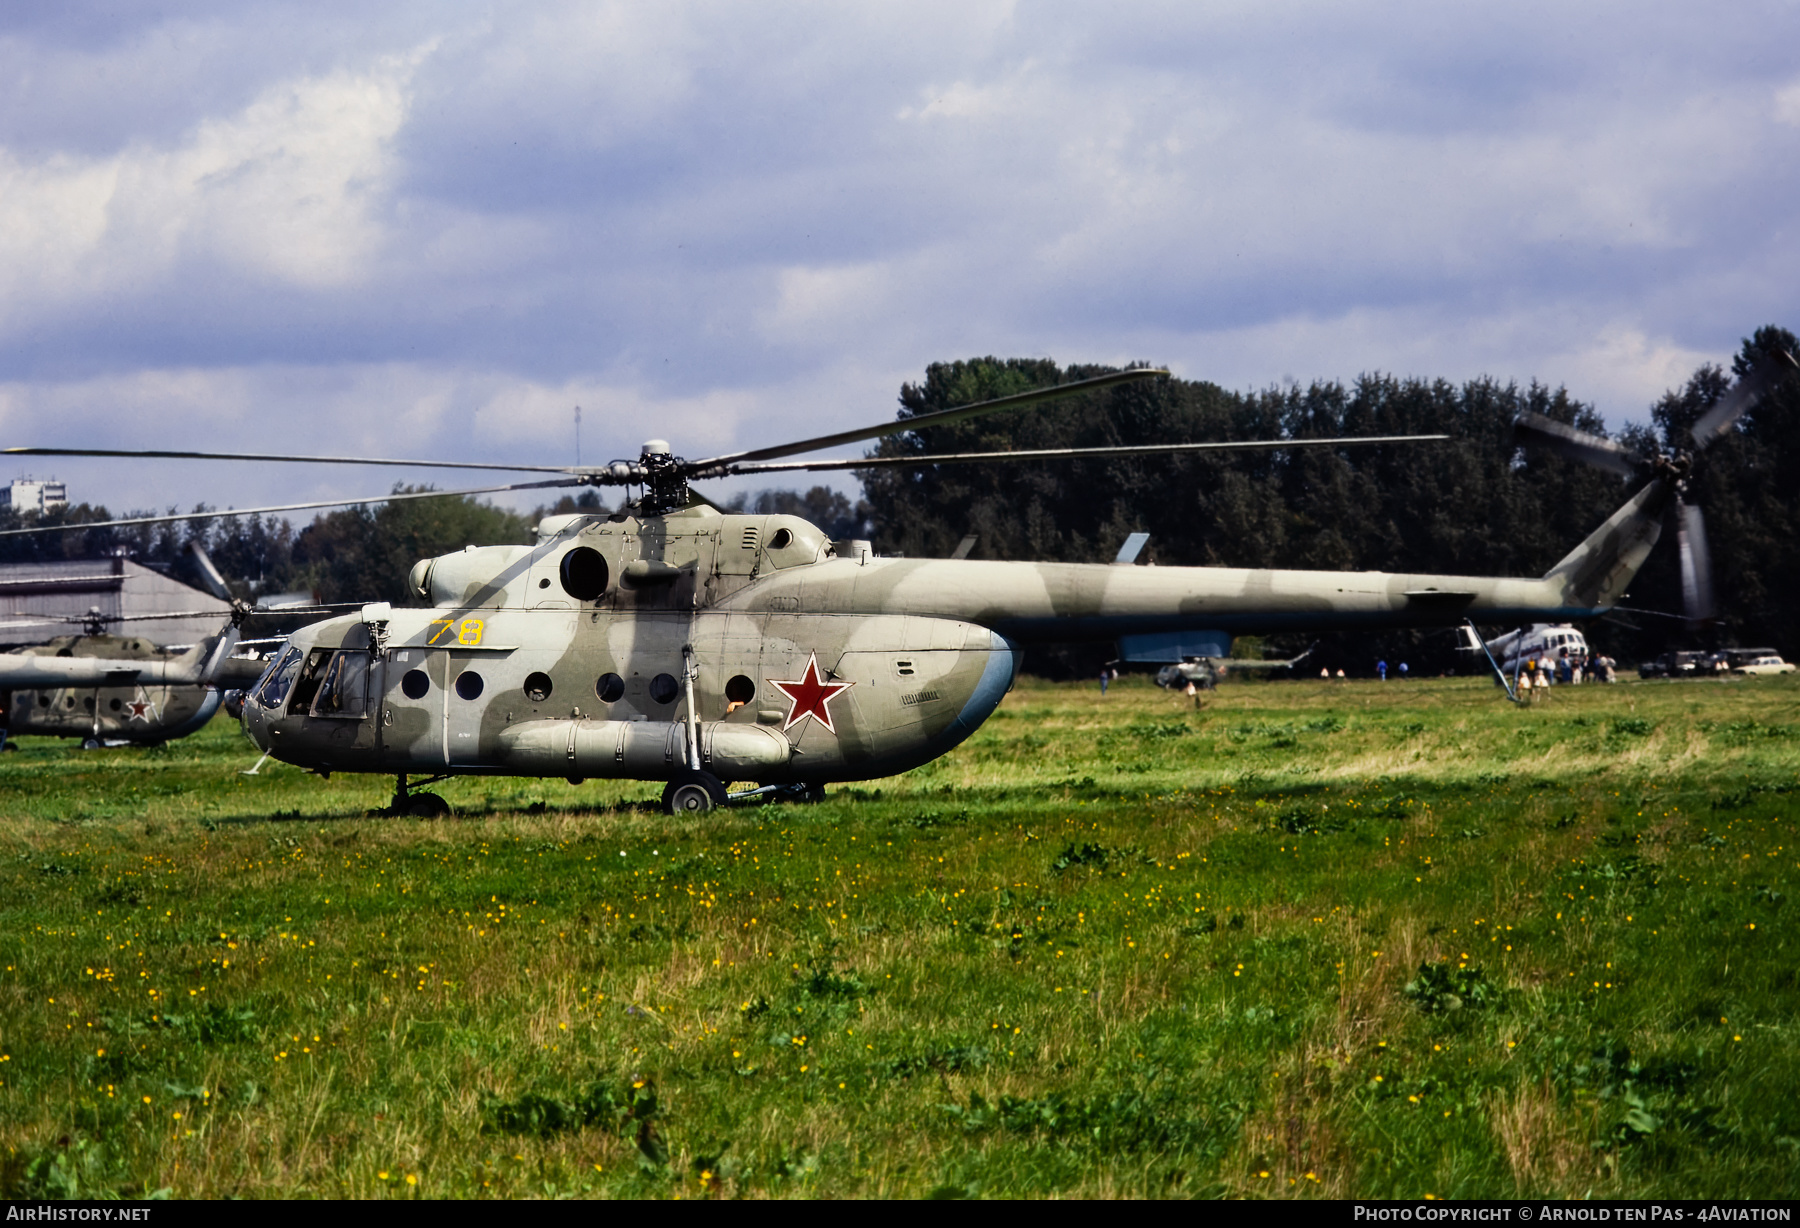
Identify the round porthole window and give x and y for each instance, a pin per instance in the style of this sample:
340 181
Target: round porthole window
414 684
610 688
583 573
537 687
115 705
740 690
468 685
663 688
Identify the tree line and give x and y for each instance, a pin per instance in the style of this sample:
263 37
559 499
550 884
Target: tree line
1474 504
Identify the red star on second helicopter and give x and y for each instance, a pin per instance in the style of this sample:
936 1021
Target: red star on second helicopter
810 696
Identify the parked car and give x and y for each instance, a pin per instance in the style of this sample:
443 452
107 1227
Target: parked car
1682 665
1771 664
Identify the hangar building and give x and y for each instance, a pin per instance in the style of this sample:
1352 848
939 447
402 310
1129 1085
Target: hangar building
39 601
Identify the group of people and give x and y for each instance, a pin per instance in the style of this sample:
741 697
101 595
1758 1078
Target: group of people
1538 673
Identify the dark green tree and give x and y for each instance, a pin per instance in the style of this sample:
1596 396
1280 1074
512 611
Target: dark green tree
365 553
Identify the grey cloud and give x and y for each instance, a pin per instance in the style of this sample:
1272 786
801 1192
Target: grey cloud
752 221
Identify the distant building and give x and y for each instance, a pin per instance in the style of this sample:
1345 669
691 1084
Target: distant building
30 495
41 600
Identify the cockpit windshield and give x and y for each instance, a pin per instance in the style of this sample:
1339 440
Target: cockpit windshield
277 679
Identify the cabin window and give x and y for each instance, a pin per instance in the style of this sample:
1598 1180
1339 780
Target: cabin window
115 705
468 684
343 689
610 688
415 684
272 691
663 688
740 690
537 687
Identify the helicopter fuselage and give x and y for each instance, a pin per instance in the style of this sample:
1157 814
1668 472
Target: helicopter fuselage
748 647
103 688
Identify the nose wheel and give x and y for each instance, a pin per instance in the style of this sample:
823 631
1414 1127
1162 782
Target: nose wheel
693 792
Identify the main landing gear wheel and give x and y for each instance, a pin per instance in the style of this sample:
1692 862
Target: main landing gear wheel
90 744
418 805
426 806
693 792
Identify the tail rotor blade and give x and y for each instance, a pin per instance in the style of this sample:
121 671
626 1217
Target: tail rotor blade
1559 437
1696 562
1745 393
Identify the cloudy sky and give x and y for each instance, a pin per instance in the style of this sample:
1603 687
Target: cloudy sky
432 229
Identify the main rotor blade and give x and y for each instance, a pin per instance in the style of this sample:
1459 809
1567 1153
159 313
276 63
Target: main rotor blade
215 583
1150 449
152 454
1696 562
1578 445
897 426
292 507
1742 395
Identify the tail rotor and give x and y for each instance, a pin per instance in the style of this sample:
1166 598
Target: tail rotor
1673 469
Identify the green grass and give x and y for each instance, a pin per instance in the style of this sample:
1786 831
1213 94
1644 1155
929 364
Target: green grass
1314 940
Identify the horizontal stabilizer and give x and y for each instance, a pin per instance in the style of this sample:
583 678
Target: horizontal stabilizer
1128 553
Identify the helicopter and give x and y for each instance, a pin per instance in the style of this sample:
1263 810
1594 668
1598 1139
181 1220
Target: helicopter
1207 672
112 689
1537 642
671 642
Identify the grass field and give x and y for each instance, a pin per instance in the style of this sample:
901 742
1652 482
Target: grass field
1314 940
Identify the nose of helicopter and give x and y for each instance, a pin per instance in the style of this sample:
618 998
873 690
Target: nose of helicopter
256 725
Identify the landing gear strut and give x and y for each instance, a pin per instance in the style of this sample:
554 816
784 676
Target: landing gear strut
418 805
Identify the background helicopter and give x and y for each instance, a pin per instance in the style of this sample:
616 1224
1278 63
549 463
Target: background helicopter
668 641
1538 642
117 689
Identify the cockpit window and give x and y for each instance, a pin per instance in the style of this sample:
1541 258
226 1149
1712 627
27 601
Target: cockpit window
344 686
276 680
306 688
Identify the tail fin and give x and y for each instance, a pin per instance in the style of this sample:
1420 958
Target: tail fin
200 664
1596 573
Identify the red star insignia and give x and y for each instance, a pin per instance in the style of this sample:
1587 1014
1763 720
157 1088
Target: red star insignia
810 696
137 708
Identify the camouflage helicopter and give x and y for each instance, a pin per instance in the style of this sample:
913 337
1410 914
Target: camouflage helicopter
669 641
114 689
111 689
